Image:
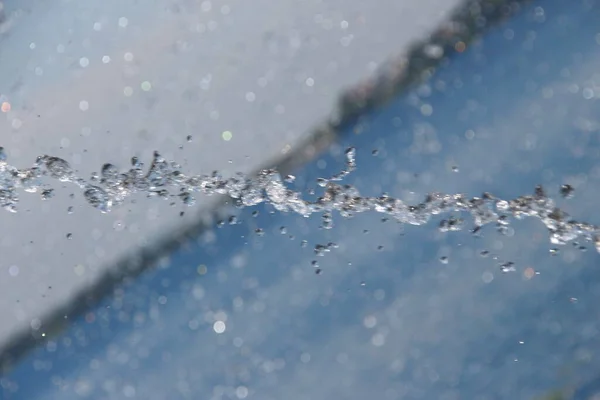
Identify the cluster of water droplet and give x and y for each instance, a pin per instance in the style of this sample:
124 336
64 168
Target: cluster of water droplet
164 179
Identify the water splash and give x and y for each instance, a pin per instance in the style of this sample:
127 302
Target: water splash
164 179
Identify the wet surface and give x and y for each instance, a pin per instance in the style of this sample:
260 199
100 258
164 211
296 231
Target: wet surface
272 305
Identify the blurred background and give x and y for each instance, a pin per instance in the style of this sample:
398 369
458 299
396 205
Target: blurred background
161 301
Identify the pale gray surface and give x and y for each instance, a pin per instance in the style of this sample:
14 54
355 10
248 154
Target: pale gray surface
202 59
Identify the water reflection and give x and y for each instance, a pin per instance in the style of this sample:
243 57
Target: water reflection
240 314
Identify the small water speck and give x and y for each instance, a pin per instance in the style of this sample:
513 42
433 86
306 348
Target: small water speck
189 138
320 250
69 236
290 178
444 260
566 191
508 267
47 194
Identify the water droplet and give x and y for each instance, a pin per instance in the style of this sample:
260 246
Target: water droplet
304 243
255 214
327 220
502 205
109 173
363 283
58 168
318 271
283 230
505 230
98 198
186 198
484 253
70 210
508 267
322 182
567 191
455 168
189 138
69 236
375 152
259 232
314 263
554 251
320 250
47 194
290 179
444 260
451 224
539 192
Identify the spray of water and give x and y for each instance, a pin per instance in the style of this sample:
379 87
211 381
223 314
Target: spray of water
164 179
